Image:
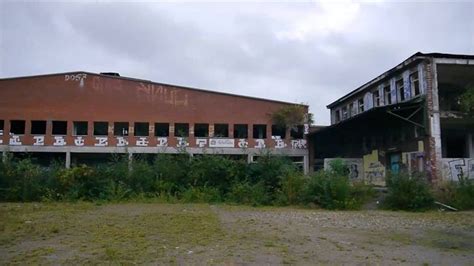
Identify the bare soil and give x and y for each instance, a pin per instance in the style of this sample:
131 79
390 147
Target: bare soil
199 234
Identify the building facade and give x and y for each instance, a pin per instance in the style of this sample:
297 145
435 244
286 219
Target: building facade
79 116
408 118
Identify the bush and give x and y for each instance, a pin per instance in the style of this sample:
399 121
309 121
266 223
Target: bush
332 189
201 195
407 192
247 193
21 181
457 194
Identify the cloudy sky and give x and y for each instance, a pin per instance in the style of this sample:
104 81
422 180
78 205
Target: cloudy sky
312 53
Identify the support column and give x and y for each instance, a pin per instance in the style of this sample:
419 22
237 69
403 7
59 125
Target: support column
68 159
305 164
130 161
4 156
249 158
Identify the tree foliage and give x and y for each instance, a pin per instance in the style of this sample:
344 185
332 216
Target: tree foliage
467 100
291 116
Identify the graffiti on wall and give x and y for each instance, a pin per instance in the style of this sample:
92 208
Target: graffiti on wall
171 96
76 78
1 136
374 170
354 167
456 168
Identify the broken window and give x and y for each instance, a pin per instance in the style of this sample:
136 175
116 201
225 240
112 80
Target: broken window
141 129
241 131
38 127
17 127
101 128
387 95
278 131
360 103
1 126
59 128
344 112
201 130
337 116
376 98
415 84
298 132
400 89
259 131
121 129
181 130
79 128
221 130
162 129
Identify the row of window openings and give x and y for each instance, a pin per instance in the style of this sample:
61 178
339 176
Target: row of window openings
347 112
141 129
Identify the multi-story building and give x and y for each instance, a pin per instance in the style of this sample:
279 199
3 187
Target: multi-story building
83 116
407 118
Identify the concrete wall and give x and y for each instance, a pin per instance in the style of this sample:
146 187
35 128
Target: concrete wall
454 168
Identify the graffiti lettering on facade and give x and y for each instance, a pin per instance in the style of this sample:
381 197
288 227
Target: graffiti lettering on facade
76 77
142 142
121 142
162 142
38 140
15 140
279 143
1 136
182 142
243 143
259 143
152 92
59 141
458 168
79 141
201 143
298 144
101 141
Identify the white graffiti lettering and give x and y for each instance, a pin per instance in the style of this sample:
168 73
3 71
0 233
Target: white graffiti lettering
121 142
279 143
259 143
15 140
101 142
39 140
201 143
162 142
243 143
79 141
142 142
298 144
59 141
182 142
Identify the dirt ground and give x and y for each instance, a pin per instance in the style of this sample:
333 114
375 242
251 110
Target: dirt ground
155 233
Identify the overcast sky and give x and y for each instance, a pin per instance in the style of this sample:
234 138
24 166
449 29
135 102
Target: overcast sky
312 53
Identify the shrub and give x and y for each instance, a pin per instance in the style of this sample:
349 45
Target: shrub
457 194
201 194
246 193
292 184
407 192
21 180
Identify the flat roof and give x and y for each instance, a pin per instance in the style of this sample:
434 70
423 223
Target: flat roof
415 57
152 82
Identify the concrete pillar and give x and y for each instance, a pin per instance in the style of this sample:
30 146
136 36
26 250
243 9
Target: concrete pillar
470 147
68 159
306 164
4 156
249 158
130 161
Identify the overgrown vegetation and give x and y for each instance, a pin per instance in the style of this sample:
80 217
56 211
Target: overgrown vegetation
272 180
291 116
407 192
457 194
467 100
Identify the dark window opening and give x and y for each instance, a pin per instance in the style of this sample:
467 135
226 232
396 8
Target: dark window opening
344 112
297 133
241 131
181 130
221 130
337 116
201 130
59 128
2 124
121 129
79 128
17 127
454 144
376 98
141 129
387 95
415 83
400 89
360 102
278 131
259 131
162 129
38 127
101 128
351 109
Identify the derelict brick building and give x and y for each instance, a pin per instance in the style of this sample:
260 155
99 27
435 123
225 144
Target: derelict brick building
408 118
82 115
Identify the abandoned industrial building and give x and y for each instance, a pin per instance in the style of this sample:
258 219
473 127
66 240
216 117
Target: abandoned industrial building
81 117
408 118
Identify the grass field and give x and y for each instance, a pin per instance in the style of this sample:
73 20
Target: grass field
155 233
